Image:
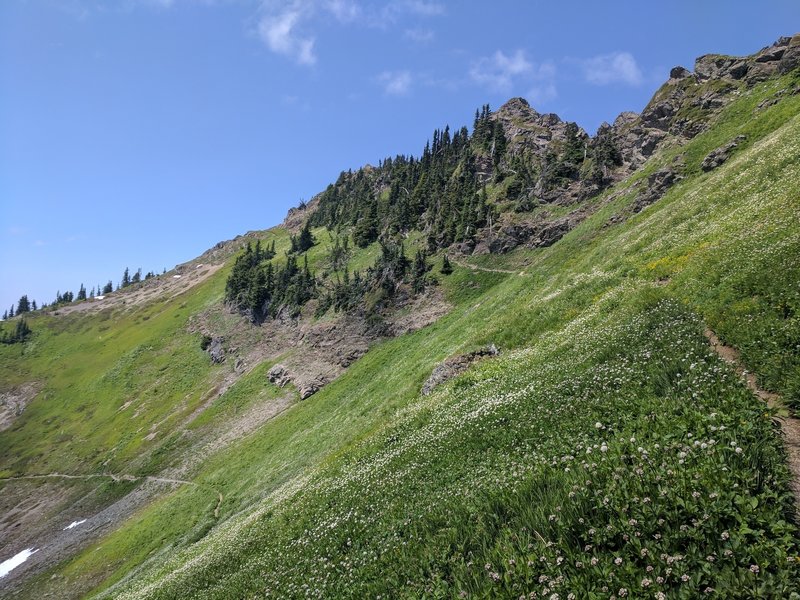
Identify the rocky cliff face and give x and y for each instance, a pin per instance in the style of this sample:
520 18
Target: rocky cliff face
684 106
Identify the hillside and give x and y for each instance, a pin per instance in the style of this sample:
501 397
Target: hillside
225 437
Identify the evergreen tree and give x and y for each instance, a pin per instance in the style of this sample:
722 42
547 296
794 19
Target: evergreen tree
22 330
33 305
447 268
82 293
366 229
126 278
306 240
5 315
108 287
11 312
23 305
137 277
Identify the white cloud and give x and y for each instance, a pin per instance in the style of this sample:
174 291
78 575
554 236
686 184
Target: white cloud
421 8
542 94
498 72
279 33
345 11
617 67
419 35
395 83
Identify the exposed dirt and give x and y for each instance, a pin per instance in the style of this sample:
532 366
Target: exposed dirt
472 267
790 426
169 286
49 536
312 352
14 401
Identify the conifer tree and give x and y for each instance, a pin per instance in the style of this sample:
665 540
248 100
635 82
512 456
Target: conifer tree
23 305
447 268
81 293
126 278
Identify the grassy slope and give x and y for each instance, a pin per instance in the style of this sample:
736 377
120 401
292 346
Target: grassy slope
586 312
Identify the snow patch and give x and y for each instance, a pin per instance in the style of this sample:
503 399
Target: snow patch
12 563
176 276
74 524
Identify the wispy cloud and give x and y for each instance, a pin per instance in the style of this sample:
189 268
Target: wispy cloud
617 67
279 31
345 11
421 7
542 94
498 71
418 35
395 83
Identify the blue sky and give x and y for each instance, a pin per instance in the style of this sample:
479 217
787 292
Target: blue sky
140 132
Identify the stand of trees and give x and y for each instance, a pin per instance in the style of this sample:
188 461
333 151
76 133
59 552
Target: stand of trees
442 192
19 334
256 286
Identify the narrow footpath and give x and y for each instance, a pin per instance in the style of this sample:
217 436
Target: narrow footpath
790 426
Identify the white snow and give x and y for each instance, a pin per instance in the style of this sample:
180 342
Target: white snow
74 524
99 297
12 563
176 276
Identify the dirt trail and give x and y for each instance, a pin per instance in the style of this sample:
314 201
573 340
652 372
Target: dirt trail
467 265
790 426
123 477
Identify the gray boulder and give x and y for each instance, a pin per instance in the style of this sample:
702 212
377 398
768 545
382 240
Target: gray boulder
216 350
279 375
718 156
455 365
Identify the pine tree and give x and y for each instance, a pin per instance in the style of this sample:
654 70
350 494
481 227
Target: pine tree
108 287
82 293
23 305
306 239
447 268
33 305
5 315
22 330
126 278
137 277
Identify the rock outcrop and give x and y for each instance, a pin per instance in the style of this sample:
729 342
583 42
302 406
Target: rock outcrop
455 365
216 350
718 156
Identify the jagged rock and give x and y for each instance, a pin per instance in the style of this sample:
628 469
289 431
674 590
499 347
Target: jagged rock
718 156
216 350
455 365
465 248
310 387
657 185
771 54
679 73
525 128
791 57
739 69
550 232
279 375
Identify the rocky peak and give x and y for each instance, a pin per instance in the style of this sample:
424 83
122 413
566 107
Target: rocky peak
516 108
525 128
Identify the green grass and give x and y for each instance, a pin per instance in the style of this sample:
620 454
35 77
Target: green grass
366 488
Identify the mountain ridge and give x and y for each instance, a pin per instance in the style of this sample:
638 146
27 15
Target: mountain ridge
366 487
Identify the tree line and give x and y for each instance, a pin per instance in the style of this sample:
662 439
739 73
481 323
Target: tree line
443 191
26 305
